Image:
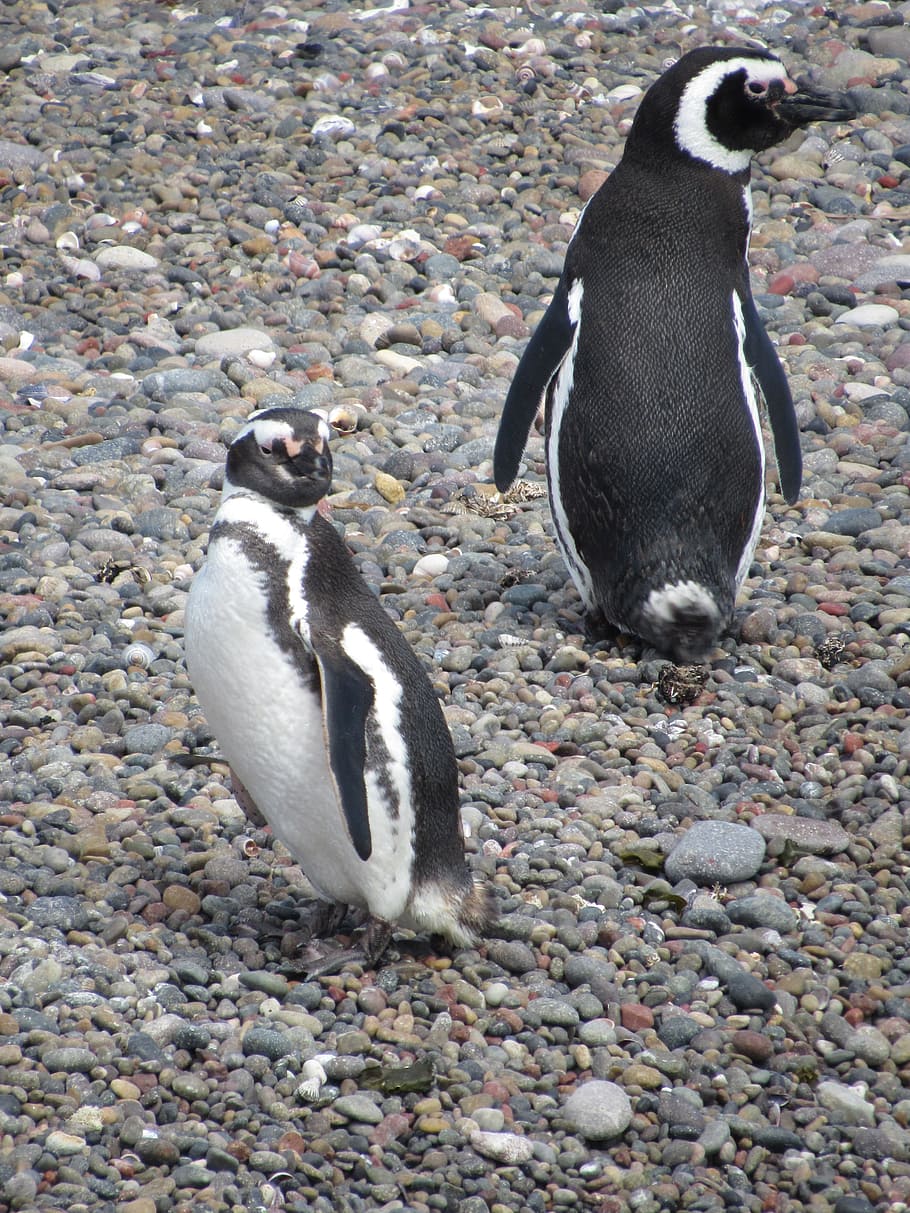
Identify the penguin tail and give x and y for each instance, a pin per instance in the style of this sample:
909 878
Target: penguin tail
683 620
462 913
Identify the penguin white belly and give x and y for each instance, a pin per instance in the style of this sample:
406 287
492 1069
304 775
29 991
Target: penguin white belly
270 727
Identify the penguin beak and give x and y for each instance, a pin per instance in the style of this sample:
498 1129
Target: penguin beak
811 104
309 459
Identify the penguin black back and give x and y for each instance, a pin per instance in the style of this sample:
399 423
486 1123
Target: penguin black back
645 359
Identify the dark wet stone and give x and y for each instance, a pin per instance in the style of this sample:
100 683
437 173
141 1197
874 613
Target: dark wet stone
852 522
64 913
270 1043
106 452
512 955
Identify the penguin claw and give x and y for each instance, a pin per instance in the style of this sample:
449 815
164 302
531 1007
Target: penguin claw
334 963
376 939
373 944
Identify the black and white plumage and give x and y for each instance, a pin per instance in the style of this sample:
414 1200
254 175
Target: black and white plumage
644 360
321 707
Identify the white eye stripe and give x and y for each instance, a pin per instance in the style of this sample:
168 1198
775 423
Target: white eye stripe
690 125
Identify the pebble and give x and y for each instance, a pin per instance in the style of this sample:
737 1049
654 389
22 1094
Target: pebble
702 904
506 1148
724 852
599 1110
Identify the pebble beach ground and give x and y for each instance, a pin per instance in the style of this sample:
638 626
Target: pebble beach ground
698 994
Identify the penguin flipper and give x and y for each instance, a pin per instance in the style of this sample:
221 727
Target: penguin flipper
347 700
762 358
541 360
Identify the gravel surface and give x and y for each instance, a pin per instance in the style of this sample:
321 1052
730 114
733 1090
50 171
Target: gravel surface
698 994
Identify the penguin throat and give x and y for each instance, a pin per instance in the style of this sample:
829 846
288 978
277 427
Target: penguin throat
304 513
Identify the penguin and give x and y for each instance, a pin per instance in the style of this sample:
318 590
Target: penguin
325 714
645 360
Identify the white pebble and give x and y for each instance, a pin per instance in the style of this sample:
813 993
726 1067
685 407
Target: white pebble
870 315
503 1147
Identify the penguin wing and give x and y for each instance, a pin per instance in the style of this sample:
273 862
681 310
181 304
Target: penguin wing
347 699
542 358
762 358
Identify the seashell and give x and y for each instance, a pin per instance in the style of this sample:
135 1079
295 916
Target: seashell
314 1076
332 126
68 241
271 227
442 293
343 419
16 278
487 105
532 46
326 82
203 127
431 566
394 60
81 267
377 71
623 92
544 67
362 233
261 358
405 247
526 73
248 847
583 41
136 215
139 655
26 340
100 219
302 266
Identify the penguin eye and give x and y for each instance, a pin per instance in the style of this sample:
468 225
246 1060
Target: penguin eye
757 87
266 450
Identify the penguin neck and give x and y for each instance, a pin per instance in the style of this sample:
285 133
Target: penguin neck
238 496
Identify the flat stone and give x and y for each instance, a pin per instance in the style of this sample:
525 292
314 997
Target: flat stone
237 341
711 852
870 315
847 1105
124 257
809 834
360 1108
599 1110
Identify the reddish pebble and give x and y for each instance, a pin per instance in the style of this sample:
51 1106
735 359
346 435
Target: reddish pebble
781 284
635 1016
590 182
888 181
796 339
390 1128
852 742
754 1045
833 608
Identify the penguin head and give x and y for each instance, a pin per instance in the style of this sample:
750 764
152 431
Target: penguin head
720 105
281 454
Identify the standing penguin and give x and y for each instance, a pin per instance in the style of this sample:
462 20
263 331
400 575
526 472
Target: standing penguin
644 360
324 712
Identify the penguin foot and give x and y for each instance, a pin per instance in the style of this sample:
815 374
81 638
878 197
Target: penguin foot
373 943
599 633
376 939
325 918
